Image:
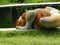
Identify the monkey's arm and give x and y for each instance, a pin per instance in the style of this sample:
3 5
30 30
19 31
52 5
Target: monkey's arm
30 17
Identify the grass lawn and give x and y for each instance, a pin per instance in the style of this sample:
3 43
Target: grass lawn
39 1
3 2
30 37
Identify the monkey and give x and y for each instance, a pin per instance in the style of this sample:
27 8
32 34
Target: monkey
47 17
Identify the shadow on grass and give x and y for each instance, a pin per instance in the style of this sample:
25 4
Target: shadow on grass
50 32
35 32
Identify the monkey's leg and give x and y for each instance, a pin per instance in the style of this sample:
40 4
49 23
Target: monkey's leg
50 22
30 17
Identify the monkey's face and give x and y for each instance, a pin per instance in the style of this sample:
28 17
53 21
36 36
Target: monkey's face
20 22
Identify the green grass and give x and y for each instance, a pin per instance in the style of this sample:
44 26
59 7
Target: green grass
2 2
39 1
30 37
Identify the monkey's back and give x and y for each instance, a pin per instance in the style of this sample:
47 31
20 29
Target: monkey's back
39 14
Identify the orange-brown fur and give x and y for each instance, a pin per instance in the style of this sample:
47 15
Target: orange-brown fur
39 14
22 20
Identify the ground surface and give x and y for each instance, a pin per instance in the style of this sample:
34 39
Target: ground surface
30 37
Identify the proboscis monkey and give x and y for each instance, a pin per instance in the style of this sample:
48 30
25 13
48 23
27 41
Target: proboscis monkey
47 17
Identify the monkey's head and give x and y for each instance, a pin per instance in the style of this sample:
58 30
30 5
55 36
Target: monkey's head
20 22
